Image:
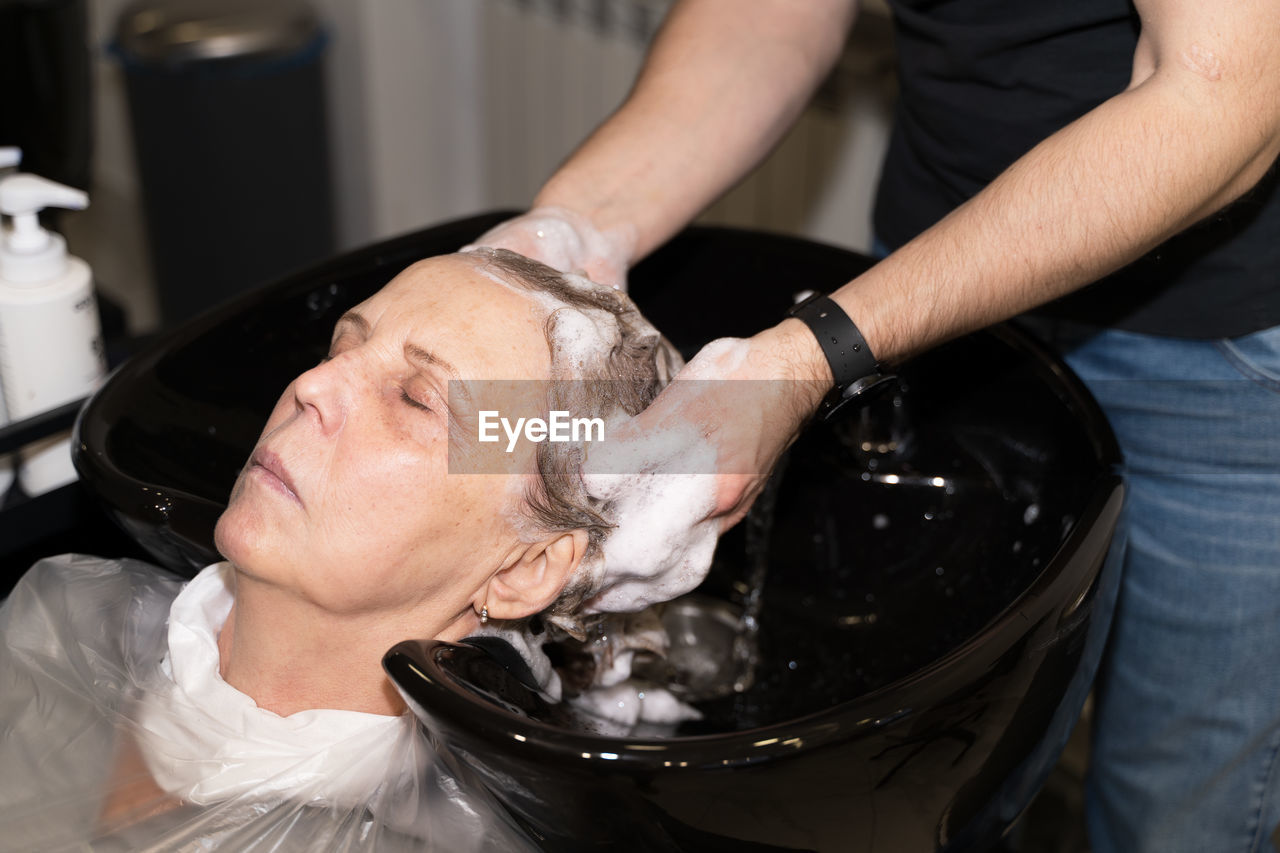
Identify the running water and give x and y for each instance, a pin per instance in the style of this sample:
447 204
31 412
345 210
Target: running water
759 526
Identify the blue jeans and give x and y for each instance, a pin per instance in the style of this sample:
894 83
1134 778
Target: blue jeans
1186 730
1186 750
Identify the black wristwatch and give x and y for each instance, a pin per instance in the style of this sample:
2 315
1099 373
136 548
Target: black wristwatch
855 369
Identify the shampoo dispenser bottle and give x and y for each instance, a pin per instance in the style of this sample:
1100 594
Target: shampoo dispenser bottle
8 157
50 339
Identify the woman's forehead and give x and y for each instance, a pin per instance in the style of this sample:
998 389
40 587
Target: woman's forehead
449 306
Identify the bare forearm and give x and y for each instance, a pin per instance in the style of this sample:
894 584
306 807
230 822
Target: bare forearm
721 85
1093 197
1198 126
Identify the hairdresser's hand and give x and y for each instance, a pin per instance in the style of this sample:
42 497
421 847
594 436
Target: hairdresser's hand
731 413
566 241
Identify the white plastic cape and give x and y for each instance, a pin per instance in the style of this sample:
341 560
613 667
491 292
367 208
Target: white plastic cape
116 733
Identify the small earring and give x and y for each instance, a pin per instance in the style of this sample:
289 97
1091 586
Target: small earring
484 614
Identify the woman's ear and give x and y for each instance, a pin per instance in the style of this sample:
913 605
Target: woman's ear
536 578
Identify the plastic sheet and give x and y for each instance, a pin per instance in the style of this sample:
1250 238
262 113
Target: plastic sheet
89 700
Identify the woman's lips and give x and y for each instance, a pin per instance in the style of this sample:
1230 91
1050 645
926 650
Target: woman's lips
273 470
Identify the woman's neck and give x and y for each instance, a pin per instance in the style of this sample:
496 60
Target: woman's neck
290 656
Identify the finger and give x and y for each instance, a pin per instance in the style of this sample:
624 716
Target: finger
735 495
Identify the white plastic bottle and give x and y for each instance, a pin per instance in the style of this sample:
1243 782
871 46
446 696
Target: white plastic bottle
8 157
50 338
6 463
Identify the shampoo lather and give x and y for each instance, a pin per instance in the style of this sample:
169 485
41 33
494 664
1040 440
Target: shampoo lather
50 339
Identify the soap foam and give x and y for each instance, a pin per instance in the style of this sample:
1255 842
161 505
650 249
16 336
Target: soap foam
665 536
579 335
632 702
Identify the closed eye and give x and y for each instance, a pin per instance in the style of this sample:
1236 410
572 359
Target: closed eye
404 395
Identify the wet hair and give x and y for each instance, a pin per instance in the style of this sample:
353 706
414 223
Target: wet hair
625 377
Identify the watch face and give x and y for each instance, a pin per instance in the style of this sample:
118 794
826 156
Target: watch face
862 390
801 299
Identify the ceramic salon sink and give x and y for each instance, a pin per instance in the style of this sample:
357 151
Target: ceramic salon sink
937 596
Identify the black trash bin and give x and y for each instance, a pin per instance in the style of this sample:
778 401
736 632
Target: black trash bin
227 105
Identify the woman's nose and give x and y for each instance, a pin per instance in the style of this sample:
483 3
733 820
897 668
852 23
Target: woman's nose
321 393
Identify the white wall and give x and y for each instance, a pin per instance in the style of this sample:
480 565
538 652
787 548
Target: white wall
110 234
403 81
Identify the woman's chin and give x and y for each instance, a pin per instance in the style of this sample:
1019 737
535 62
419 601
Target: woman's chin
240 536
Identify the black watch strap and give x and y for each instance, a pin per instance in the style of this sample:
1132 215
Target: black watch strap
852 364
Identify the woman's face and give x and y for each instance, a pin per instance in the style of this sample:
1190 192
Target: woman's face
347 498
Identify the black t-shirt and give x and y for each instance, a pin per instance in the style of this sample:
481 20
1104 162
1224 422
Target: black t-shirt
983 81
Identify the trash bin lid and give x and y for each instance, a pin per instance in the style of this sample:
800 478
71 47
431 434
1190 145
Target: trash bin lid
171 32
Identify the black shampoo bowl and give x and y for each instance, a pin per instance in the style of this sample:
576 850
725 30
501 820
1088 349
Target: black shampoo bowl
938 594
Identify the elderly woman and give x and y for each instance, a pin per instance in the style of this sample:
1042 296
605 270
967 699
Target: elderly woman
259 715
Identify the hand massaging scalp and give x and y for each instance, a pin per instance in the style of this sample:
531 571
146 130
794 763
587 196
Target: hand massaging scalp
562 239
652 554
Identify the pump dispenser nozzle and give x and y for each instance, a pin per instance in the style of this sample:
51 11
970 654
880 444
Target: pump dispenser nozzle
28 252
50 338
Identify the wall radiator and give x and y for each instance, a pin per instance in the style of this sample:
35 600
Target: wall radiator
555 68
